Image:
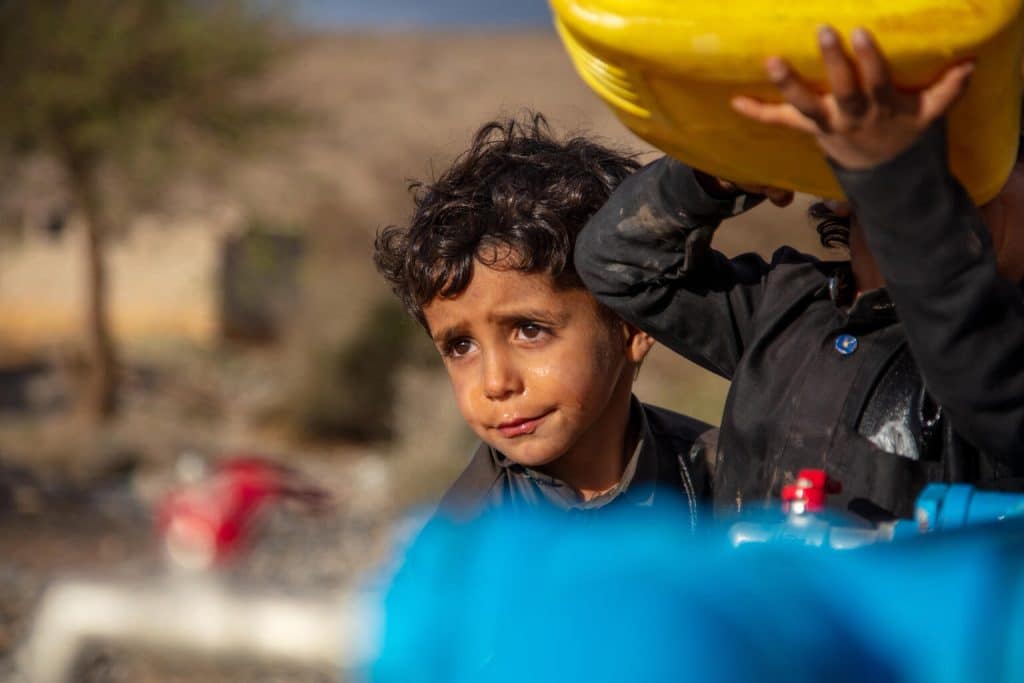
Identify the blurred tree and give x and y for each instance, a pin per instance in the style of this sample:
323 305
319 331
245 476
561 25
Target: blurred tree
99 84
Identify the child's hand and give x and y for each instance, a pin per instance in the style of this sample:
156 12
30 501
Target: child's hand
775 195
865 120
720 187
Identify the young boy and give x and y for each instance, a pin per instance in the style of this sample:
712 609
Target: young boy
542 373
898 367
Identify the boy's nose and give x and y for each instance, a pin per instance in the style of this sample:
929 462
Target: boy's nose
501 379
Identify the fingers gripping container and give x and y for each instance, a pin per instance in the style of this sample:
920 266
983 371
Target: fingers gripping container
669 68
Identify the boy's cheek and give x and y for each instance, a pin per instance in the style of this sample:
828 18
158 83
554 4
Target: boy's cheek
469 407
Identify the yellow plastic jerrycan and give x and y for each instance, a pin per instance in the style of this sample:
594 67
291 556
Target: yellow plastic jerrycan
668 68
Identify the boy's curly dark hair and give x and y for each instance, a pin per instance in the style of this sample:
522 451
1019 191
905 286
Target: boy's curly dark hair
517 193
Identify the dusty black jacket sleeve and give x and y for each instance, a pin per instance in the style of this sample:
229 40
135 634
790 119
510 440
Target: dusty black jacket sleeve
646 255
963 320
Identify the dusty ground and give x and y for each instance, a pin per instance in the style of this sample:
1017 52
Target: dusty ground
81 502
76 499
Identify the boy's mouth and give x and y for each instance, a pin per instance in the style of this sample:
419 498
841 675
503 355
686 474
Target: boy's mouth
521 426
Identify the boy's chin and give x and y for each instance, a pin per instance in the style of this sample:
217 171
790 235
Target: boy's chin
532 455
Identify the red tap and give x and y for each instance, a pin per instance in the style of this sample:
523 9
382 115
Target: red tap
808 492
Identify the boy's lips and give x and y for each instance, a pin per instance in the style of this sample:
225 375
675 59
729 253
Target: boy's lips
521 425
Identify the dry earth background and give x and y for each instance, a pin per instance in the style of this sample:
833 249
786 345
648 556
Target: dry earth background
388 107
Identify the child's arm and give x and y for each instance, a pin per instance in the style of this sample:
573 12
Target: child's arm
646 255
963 320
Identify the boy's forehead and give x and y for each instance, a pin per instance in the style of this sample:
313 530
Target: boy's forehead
494 291
500 283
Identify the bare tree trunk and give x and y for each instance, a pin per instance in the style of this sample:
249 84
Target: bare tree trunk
99 399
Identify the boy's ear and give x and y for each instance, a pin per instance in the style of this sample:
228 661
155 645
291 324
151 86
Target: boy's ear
638 344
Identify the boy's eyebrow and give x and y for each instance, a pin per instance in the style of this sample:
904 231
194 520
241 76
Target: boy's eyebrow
447 334
539 314
552 318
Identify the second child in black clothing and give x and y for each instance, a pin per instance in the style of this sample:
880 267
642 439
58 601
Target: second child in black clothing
542 373
901 366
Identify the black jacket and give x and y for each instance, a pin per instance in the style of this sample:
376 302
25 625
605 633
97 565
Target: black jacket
665 466
883 402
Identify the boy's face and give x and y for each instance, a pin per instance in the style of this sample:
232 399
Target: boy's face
536 370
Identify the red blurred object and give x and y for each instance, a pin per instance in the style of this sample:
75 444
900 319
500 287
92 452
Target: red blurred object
207 522
808 492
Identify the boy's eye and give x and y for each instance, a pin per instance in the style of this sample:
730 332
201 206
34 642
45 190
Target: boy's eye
531 331
458 347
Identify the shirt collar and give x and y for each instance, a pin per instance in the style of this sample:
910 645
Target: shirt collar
873 305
